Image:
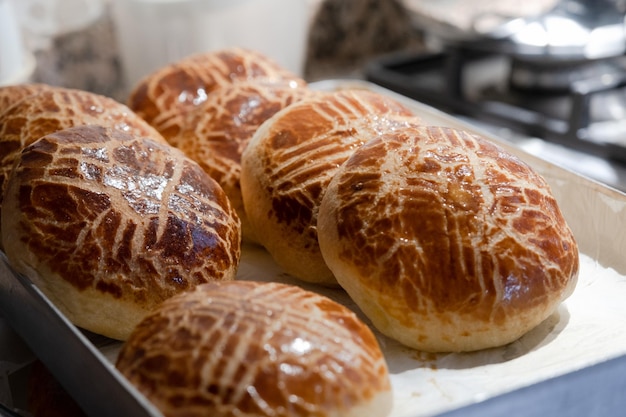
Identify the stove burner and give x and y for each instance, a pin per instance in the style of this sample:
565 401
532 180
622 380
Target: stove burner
558 76
579 104
572 29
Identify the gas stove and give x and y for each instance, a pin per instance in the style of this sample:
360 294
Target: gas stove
564 103
579 105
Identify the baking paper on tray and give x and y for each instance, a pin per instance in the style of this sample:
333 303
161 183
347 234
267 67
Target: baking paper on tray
587 328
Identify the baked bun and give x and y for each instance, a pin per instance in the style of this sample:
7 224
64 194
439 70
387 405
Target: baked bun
164 97
292 157
245 348
12 94
49 109
218 130
446 241
109 225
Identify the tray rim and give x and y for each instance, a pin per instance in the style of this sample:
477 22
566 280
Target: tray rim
591 397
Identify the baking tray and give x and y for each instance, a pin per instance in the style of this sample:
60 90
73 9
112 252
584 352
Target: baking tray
572 364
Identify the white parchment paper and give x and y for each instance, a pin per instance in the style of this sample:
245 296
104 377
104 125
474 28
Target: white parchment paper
588 327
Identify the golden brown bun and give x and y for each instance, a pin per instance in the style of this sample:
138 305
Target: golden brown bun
218 130
109 225
446 241
244 348
12 94
164 97
49 109
290 161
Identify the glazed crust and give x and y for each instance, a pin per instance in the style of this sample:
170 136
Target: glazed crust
292 158
244 348
13 94
40 109
164 97
218 130
446 241
109 225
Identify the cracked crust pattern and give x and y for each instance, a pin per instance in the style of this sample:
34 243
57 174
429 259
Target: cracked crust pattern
446 241
109 225
13 94
164 97
39 110
219 129
292 158
245 348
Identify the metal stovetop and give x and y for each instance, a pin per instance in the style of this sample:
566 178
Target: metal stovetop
432 79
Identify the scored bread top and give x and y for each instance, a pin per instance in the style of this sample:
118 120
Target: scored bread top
292 158
54 108
12 94
245 348
172 90
445 240
218 130
96 216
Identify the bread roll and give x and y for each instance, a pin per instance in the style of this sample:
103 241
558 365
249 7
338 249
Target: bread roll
218 130
109 225
244 348
164 97
12 94
49 109
289 162
446 241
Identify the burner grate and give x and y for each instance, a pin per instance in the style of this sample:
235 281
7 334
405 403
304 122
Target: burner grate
478 84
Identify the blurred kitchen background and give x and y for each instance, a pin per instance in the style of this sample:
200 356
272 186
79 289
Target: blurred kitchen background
105 46
548 75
